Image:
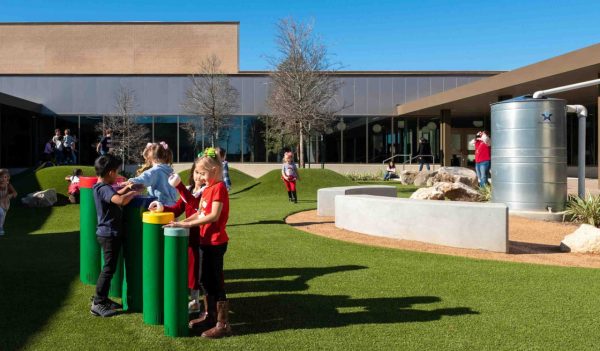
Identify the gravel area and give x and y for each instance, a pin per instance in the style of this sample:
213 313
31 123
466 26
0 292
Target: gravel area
530 241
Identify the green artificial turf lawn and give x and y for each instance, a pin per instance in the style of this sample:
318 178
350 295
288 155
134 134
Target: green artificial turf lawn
290 290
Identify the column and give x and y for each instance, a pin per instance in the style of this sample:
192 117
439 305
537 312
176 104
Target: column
445 136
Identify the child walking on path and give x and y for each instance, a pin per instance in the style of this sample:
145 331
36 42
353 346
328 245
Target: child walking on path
7 192
212 219
188 203
289 174
157 177
73 189
226 179
110 229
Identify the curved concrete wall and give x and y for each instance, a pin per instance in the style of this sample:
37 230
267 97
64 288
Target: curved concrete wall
450 223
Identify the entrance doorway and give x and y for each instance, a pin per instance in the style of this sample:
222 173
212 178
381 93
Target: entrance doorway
463 152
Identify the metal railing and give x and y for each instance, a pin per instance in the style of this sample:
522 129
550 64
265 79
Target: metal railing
409 161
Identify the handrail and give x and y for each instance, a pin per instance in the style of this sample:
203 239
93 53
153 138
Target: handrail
411 159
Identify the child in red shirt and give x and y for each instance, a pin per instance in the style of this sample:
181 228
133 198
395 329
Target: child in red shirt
188 203
212 218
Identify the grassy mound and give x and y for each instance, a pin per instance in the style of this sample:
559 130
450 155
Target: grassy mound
310 181
238 178
46 178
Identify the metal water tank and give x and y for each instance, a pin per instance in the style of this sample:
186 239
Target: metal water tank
529 153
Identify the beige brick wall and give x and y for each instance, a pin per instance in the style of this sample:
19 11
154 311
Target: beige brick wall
116 48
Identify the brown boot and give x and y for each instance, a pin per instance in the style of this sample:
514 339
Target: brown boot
208 318
222 328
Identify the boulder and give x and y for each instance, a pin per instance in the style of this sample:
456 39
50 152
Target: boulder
44 198
407 177
427 194
422 177
586 239
457 174
458 191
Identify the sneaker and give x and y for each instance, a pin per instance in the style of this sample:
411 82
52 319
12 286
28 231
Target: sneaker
102 310
193 307
114 305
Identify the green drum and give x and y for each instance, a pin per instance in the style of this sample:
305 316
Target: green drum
132 252
152 258
89 249
176 290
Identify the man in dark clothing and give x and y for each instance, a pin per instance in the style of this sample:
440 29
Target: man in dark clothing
110 229
104 145
424 153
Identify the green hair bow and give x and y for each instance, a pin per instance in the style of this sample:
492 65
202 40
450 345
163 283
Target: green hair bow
209 152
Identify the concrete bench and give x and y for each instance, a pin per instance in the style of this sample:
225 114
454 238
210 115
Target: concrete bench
326 196
451 223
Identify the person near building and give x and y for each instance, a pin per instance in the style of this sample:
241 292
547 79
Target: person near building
483 153
424 153
105 144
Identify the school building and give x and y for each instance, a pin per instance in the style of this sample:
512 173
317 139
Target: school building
66 75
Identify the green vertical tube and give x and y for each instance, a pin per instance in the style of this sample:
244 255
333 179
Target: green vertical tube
116 283
132 252
89 249
152 258
176 292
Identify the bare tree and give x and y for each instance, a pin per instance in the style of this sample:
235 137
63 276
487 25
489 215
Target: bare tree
303 89
211 96
128 138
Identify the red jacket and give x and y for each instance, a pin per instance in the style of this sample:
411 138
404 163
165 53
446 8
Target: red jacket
482 151
189 204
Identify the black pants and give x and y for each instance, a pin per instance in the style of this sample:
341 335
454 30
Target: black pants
212 279
111 247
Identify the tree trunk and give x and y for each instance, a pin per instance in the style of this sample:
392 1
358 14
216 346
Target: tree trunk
301 149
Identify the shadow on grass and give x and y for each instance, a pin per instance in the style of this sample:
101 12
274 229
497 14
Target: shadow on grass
520 248
36 272
299 311
273 221
245 189
270 279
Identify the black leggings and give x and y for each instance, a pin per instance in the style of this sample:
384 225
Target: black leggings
212 279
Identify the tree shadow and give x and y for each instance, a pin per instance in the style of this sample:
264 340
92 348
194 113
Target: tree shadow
310 311
270 279
249 187
36 272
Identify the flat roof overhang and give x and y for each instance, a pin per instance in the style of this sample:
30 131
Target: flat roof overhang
19 103
474 99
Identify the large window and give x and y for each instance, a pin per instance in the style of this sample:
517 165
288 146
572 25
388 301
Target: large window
165 129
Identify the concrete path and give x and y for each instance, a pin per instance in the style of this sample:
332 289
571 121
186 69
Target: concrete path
591 186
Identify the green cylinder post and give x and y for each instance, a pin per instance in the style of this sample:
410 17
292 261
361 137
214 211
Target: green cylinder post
89 249
152 258
176 291
132 252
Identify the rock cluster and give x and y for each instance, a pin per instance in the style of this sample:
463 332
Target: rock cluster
453 183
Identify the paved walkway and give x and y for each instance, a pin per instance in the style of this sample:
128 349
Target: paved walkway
591 186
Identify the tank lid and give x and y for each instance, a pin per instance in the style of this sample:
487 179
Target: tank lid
525 98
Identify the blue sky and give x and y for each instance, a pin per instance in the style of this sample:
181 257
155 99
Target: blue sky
367 35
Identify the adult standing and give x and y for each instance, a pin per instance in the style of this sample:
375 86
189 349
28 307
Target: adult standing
57 140
105 143
69 147
424 153
483 145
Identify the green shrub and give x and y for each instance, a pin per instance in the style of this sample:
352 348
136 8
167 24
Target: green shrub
586 210
486 193
361 177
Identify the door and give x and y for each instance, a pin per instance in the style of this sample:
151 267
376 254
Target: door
462 151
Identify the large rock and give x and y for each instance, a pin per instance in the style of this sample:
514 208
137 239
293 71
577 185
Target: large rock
428 194
456 175
458 191
586 239
422 178
44 198
407 177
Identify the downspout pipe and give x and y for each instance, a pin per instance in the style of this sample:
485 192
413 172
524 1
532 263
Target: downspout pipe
542 93
582 113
